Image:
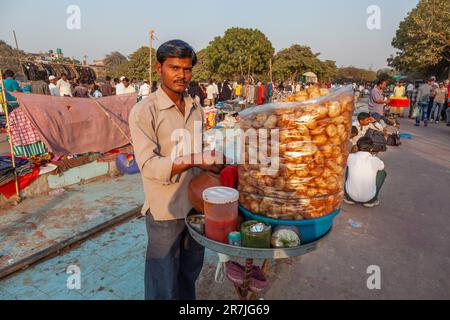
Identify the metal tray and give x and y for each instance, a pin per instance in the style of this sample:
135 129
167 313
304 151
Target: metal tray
252 253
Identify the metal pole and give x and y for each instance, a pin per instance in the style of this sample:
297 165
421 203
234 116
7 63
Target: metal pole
150 56
270 67
15 39
5 104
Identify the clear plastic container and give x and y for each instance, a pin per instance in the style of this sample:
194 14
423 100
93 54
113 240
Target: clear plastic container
221 212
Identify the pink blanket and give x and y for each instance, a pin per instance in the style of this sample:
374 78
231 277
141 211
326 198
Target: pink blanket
78 125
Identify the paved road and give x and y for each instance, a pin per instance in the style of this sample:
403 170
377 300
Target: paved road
406 237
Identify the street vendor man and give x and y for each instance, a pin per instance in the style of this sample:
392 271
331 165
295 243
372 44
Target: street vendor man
174 260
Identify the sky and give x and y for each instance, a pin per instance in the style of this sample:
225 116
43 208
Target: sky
336 29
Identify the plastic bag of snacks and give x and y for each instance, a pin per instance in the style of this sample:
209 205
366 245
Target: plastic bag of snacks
313 148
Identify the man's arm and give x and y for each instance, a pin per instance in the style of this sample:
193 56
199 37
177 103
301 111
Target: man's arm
151 163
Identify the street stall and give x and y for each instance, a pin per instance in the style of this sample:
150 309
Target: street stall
397 104
52 135
283 207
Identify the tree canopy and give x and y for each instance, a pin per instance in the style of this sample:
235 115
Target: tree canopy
355 74
135 66
423 39
112 62
239 50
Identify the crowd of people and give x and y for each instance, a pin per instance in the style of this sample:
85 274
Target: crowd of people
429 102
63 87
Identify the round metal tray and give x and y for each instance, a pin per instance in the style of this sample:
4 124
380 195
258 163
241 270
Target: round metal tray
253 253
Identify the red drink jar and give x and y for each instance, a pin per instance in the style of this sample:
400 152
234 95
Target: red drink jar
221 212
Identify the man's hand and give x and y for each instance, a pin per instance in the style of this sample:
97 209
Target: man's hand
211 161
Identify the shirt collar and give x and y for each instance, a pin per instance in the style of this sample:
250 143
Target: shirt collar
164 102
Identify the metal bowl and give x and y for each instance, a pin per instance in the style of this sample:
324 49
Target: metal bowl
197 222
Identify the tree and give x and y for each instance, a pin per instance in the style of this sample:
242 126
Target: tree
296 60
238 51
423 39
385 74
113 60
353 74
139 62
201 71
328 70
10 58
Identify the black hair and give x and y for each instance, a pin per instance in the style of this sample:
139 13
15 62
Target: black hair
107 78
354 130
365 144
175 49
363 116
381 81
194 89
126 79
155 83
8 73
63 74
116 80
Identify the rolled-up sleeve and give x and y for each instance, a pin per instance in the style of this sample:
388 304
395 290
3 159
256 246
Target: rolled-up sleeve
147 151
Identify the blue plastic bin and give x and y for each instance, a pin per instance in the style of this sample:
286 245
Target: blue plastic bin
310 230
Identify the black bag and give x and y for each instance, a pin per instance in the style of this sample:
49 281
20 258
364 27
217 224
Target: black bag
394 140
378 139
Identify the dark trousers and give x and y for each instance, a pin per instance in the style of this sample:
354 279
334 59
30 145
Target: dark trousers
173 263
423 115
381 176
430 106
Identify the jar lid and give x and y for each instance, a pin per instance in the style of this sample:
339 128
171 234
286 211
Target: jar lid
234 236
220 195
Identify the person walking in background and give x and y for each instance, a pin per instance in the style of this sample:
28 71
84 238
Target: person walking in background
52 87
40 87
120 87
210 94
81 90
217 90
447 103
422 102
128 88
154 86
225 94
413 99
194 92
134 84
439 100
433 86
107 89
63 86
96 93
400 90
144 90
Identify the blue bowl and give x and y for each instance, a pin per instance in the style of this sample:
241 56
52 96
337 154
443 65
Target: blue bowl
405 136
310 230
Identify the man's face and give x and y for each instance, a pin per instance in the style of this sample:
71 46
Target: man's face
366 121
383 85
125 83
175 73
64 77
